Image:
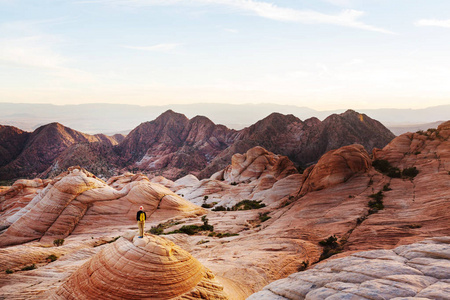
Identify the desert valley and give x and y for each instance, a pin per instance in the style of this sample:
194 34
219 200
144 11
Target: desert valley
282 209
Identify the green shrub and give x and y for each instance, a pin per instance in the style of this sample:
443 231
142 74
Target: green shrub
330 242
330 247
52 257
248 204
383 166
205 205
58 242
219 208
264 217
194 229
157 230
377 196
233 183
303 266
187 229
8 271
28 268
386 187
377 203
410 172
222 235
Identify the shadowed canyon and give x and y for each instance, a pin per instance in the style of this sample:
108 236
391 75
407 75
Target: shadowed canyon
283 209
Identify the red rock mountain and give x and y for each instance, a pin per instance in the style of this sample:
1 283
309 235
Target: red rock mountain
173 145
12 142
35 152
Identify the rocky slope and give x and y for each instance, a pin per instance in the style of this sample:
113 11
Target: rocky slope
147 268
35 152
247 249
12 142
416 271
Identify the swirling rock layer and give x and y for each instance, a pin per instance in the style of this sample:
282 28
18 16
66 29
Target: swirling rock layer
148 268
416 271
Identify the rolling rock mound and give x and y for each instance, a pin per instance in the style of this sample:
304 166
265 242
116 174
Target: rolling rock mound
78 199
334 167
147 268
416 271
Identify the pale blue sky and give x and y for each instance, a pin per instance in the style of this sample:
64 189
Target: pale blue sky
324 54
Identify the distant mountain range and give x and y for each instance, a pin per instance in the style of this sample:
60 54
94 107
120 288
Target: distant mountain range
120 118
173 145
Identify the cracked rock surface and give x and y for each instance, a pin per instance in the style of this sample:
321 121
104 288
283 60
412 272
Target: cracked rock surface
416 271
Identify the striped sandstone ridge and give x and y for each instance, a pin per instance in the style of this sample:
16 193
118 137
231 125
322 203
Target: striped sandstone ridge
416 271
147 268
77 199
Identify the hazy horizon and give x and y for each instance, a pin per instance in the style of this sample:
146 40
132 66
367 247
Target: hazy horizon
323 54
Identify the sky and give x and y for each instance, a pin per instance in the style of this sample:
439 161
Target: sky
323 54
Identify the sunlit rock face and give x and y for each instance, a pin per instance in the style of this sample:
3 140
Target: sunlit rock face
336 166
419 271
147 268
78 199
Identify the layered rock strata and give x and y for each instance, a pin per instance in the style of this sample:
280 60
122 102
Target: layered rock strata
147 268
416 271
80 198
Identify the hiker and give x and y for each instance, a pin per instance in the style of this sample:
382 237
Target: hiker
140 218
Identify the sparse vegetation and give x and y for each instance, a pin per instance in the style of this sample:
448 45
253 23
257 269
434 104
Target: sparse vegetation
8 271
330 247
247 205
58 242
194 229
28 268
219 208
414 226
114 239
159 229
233 183
410 172
377 203
383 166
51 258
202 242
303 266
264 217
156 230
205 205
222 235
386 187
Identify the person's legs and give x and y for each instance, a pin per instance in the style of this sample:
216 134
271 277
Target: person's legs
141 228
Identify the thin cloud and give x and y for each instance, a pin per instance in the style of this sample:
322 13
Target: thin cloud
433 22
23 45
346 18
159 47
